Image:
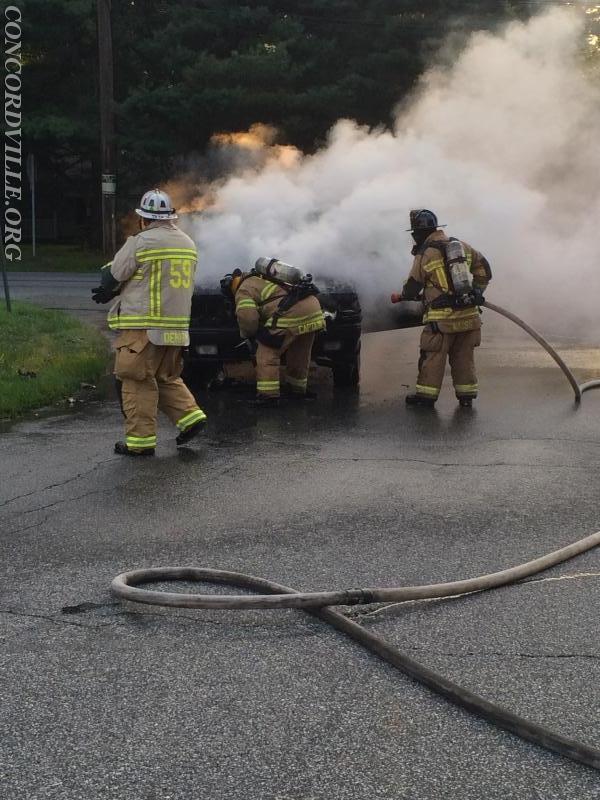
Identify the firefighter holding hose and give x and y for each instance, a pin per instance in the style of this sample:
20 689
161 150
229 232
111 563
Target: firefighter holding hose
450 277
151 280
278 311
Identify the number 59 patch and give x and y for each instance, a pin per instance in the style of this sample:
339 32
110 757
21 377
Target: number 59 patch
180 273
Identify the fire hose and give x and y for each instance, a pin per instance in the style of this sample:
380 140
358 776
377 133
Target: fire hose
273 595
578 388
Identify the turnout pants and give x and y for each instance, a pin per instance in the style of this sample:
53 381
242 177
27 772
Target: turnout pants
150 380
297 351
458 348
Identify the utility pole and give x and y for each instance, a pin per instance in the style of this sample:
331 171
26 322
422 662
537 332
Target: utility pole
107 127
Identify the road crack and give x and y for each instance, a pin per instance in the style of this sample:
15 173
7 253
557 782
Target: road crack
56 485
61 502
13 612
30 527
64 500
444 464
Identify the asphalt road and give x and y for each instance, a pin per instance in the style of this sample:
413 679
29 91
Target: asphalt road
66 291
106 700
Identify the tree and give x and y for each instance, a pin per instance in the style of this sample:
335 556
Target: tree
187 68
60 118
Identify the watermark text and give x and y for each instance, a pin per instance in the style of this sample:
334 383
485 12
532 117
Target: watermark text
13 161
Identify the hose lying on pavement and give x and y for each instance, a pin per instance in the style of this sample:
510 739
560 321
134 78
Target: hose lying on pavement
579 389
274 595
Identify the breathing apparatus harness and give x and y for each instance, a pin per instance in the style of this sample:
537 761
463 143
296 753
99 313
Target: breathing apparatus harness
298 286
463 294
302 288
294 294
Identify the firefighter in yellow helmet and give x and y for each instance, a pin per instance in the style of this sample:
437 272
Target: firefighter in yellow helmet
151 280
451 277
276 305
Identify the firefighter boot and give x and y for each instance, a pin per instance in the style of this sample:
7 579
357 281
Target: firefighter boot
465 402
122 450
291 394
420 400
191 432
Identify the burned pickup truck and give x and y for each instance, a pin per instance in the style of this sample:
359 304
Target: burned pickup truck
215 339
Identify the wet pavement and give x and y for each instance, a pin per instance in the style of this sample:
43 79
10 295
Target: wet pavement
102 699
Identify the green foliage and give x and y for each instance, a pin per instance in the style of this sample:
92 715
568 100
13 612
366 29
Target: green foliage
187 68
211 66
44 357
57 258
60 109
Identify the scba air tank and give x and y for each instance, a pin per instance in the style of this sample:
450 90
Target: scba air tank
456 259
278 270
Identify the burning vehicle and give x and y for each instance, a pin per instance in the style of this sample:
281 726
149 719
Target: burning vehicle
215 340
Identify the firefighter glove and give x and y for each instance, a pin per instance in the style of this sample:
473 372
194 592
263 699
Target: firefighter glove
249 345
100 294
477 296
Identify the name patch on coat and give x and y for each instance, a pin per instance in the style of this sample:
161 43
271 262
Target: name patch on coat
169 338
309 327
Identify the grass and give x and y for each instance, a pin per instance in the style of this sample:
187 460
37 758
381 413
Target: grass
58 258
45 356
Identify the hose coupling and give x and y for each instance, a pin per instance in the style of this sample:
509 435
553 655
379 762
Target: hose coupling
359 597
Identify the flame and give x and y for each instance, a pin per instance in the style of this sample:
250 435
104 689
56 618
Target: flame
190 194
256 137
260 139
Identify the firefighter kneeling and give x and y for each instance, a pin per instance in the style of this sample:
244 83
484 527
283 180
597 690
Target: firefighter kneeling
276 305
451 277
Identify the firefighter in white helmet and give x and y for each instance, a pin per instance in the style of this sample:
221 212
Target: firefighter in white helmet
151 280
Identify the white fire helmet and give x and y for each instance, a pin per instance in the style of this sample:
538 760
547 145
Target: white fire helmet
156 205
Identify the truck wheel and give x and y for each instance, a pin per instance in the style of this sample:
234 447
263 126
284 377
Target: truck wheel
347 374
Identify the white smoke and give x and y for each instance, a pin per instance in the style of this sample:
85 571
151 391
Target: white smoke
503 146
